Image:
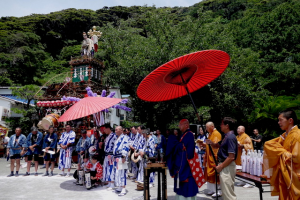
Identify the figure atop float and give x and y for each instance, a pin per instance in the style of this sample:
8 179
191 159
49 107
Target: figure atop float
95 35
87 45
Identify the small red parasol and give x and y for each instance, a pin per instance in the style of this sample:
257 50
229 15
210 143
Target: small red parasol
88 106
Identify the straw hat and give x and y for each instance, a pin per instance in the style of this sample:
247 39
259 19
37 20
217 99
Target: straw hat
135 159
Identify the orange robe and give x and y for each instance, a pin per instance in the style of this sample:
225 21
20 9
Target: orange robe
246 141
209 172
276 154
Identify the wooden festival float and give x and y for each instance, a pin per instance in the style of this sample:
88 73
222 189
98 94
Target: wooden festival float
86 72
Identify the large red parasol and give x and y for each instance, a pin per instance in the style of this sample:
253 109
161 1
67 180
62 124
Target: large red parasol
185 74
88 106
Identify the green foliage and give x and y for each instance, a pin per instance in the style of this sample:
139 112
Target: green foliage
266 112
29 93
129 124
261 36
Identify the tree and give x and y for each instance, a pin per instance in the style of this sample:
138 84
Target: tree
30 113
266 111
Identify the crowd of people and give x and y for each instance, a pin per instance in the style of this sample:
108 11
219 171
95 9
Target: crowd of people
104 154
113 156
280 158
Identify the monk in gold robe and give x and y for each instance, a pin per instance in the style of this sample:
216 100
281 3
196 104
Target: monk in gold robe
244 141
209 163
282 158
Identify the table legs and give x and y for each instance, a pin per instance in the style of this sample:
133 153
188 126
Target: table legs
261 190
161 195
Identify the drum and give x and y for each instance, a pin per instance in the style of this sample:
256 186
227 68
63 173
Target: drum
88 183
92 150
40 125
51 119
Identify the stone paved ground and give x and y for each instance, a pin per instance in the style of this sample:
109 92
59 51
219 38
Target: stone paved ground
56 188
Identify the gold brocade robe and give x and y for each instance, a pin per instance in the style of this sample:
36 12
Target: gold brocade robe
276 157
246 141
209 172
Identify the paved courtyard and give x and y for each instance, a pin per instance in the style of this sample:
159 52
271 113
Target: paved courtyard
39 187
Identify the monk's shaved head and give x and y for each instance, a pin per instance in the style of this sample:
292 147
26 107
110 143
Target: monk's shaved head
184 121
241 129
210 124
210 127
184 124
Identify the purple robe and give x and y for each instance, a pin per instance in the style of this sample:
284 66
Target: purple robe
178 165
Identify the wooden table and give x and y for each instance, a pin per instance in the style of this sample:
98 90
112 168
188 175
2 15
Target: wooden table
255 179
161 195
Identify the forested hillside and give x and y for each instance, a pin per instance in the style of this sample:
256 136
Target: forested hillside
262 38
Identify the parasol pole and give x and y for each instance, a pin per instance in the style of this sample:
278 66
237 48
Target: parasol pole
210 148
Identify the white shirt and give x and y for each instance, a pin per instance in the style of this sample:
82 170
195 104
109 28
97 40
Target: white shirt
5 140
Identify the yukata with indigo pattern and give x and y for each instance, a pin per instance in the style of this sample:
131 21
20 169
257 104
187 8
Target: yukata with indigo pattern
134 142
141 148
65 155
108 164
120 150
150 152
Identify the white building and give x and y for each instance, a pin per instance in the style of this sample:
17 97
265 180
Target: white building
115 116
7 102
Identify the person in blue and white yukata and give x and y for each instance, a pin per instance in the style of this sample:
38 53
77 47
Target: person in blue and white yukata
147 147
108 164
50 143
82 147
133 145
15 146
34 145
120 151
150 152
66 143
140 152
201 150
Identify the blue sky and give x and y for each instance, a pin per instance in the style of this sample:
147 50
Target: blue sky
19 8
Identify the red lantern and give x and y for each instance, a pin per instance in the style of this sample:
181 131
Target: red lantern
58 103
63 103
38 104
47 103
68 102
42 104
